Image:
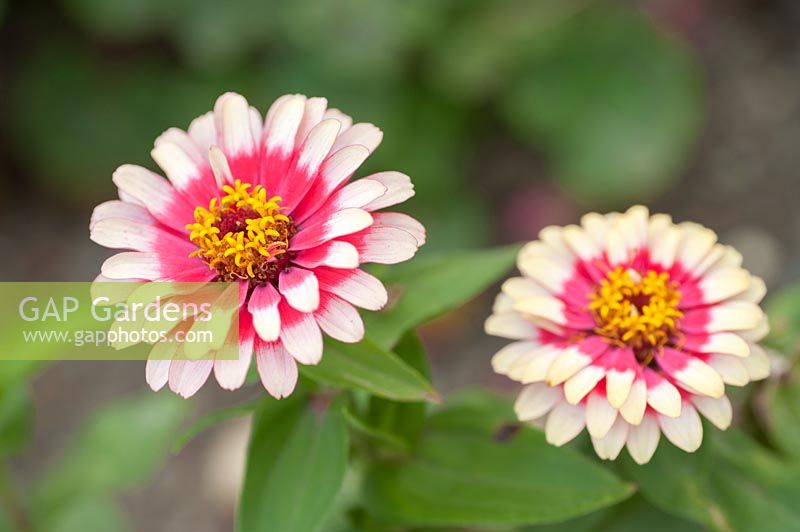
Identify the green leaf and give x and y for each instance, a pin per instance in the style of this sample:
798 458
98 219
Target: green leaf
430 286
676 482
378 435
782 401
366 366
296 463
783 310
468 470
403 419
635 515
632 515
209 421
119 447
16 418
733 484
614 102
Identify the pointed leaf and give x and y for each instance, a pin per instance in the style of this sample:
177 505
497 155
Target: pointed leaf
366 366
296 463
468 470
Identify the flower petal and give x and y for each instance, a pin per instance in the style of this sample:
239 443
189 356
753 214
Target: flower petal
121 209
398 189
564 422
186 377
354 286
600 415
300 335
535 401
609 447
231 374
276 367
684 431
383 245
662 395
362 134
693 373
334 254
300 288
643 440
263 305
156 194
401 221
338 224
339 319
718 411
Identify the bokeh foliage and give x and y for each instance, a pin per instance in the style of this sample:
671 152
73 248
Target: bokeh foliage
610 101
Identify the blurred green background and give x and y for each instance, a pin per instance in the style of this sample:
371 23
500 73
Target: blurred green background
508 115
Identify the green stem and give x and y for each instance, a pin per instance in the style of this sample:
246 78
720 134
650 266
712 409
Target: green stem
12 502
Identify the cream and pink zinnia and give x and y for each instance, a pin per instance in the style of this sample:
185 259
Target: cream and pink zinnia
267 203
629 325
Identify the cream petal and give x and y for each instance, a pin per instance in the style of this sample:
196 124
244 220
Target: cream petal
701 378
564 422
618 386
734 316
616 247
755 292
509 325
634 407
535 401
727 343
609 447
583 382
664 251
522 287
723 284
633 226
757 333
502 303
545 307
757 364
534 366
684 431
664 398
717 410
568 363
580 243
508 355
643 440
600 415
730 368
696 243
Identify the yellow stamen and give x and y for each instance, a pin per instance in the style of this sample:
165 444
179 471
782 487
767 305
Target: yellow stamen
636 311
241 235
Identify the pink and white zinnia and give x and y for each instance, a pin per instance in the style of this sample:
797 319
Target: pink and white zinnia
265 203
629 325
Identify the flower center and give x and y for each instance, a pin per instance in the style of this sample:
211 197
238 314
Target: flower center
635 311
242 235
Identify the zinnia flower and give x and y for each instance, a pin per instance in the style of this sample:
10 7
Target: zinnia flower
265 203
629 325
